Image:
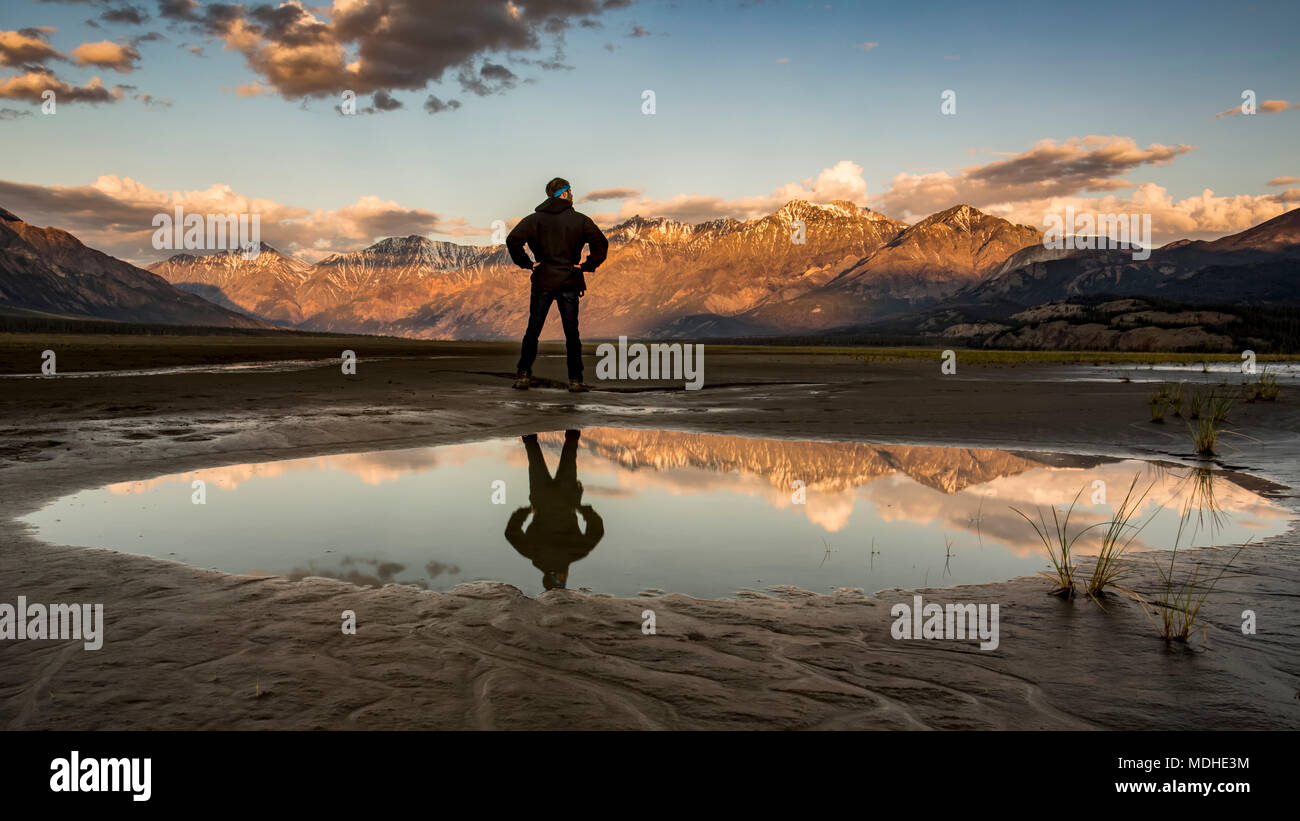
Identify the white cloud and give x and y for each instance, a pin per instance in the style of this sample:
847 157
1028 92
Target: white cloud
842 181
115 215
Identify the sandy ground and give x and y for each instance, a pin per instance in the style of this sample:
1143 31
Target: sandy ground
189 648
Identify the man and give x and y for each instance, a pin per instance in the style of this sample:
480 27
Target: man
553 540
555 233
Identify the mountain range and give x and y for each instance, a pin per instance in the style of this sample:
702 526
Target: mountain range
46 271
805 269
829 467
662 277
1105 299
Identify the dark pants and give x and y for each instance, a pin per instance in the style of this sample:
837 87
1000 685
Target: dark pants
558 497
539 305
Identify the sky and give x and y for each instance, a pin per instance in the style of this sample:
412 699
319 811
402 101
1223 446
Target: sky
465 110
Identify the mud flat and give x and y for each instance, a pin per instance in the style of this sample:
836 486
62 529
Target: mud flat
191 648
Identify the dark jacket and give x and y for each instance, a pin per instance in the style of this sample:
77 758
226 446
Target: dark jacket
553 540
555 233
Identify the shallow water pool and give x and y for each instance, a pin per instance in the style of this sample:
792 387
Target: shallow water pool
625 511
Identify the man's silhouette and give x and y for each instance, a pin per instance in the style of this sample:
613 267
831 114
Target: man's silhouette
554 540
555 233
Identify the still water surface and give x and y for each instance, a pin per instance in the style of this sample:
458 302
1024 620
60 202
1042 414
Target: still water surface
623 511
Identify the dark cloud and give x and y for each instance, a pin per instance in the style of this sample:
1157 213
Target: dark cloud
286 25
132 15
396 222
544 65
490 79
387 45
178 9
74 209
383 101
638 31
1048 169
1089 164
609 194
433 105
151 101
13 113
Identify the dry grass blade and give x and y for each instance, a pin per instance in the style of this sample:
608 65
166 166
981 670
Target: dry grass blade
1120 533
1060 544
1181 600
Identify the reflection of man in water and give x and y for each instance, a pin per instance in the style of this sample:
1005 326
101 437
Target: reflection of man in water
554 540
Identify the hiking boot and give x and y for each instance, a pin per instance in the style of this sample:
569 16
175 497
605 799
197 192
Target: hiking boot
523 381
578 387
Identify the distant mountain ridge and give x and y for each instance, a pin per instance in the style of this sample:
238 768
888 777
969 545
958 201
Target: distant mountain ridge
266 286
959 274
1104 299
922 264
1260 265
659 271
48 270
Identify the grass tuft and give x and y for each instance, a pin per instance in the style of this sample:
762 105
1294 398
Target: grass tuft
1158 404
1210 415
1115 541
1265 388
1181 598
1059 543
1174 396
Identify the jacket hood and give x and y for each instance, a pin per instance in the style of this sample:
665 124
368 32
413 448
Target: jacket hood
553 205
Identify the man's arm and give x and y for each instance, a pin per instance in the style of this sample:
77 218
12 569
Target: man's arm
522 233
515 530
599 246
595 527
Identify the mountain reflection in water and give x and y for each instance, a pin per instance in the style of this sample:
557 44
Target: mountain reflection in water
700 514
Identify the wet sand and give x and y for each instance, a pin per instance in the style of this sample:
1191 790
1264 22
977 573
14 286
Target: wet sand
189 648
